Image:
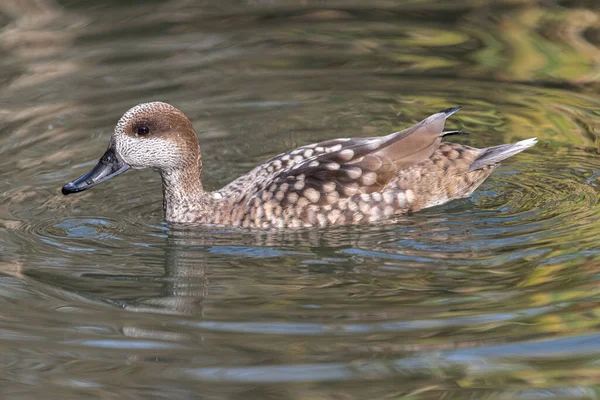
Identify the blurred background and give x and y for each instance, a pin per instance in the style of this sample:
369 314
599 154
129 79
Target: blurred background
492 297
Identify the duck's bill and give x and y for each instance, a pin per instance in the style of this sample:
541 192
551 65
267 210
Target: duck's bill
109 165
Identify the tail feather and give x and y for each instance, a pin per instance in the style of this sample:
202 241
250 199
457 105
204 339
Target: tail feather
450 111
450 133
493 155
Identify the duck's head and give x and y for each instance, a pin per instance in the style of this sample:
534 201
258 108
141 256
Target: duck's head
151 135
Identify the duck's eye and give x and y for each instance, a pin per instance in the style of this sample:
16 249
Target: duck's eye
143 130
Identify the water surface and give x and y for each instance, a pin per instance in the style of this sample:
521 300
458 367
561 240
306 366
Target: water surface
492 297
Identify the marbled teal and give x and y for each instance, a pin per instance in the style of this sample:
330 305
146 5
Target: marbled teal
336 182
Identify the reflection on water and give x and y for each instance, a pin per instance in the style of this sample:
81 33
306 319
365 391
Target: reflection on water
489 297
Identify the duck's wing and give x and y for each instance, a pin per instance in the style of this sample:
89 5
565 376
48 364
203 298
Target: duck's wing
339 168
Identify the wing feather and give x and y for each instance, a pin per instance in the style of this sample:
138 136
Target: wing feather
341 168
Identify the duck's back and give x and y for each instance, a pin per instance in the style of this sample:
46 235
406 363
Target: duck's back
351 181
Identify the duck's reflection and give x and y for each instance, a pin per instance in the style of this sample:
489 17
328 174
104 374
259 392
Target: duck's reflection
191 253
185 284
188 252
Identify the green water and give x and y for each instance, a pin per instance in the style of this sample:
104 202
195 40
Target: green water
492 297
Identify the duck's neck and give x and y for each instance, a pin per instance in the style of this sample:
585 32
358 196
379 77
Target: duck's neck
184 200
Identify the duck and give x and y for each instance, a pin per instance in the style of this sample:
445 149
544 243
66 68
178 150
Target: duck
346 181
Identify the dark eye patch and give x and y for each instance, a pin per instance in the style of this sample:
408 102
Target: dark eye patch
143 130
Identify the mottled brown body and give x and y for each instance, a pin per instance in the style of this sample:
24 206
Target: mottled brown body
299 202
337 182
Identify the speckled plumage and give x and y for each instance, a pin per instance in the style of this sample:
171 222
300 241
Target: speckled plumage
336 182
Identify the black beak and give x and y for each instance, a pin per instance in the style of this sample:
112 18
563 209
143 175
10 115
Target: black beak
109 165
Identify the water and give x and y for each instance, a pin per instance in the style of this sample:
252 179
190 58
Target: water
492 297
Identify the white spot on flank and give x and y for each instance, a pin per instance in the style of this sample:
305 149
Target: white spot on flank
333 215
332 197
292 197
346 154
401 199
350 189
354 172
369 178
302 202
322 219
312 195
329 187
373 144
375 214
388 197
364 207
277 164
